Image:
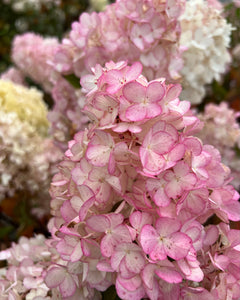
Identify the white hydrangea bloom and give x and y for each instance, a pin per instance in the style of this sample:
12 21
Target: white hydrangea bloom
206 37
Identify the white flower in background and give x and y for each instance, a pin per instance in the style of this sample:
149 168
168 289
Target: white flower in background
206 37
22 5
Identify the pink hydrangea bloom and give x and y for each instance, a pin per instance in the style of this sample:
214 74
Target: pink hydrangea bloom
14 75
130 204
32 54
227 138
145 31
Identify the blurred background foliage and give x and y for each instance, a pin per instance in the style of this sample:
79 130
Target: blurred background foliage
49 18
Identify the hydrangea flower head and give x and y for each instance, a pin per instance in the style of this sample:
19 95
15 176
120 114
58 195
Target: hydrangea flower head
32 54
227 136
22 101
27 154
133 194
205 34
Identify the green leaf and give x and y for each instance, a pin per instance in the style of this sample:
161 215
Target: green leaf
110 294
73 80
5 231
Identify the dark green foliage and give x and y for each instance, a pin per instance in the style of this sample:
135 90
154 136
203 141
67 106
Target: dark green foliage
51 20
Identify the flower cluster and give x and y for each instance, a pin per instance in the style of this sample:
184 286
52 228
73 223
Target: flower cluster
27 156
14 75
206 35
227 136
133 195
27 262
32 54
146 31
66 117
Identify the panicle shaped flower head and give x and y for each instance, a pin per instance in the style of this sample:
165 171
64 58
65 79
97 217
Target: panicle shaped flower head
136 30
205 34
32 53
227 136
27 155
14 75
133 194
27 263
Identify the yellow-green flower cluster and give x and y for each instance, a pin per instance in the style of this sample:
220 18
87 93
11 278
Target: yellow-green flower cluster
27 155
26 103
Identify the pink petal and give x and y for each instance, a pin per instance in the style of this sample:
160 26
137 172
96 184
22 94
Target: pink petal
134 92
169 275
173 92
136 112
77 253
160 198
135 260
68 286
123 293
139 219
134 71
148 275
85 208
98 154
67 212
233 211
178 245
155 91
55 277
98 223
151 244
108 245
161 142
153 110
117 258
166 226
130 284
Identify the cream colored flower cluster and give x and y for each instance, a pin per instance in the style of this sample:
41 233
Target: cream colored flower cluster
26 154
27 104
205 36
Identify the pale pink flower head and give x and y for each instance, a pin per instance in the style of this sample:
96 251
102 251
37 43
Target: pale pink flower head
14 75
135 192
32 55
